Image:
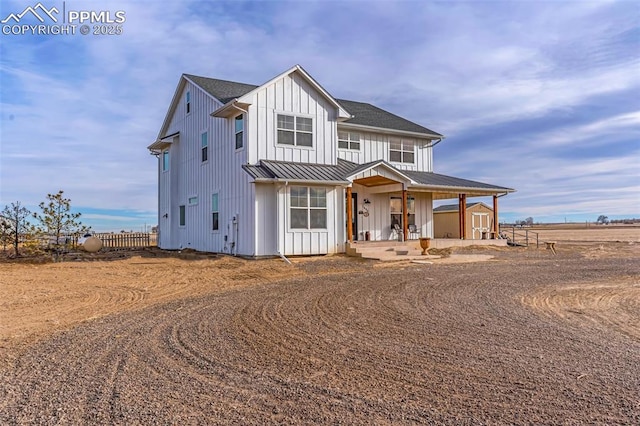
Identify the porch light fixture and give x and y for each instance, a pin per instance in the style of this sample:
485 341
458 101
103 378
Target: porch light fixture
366 201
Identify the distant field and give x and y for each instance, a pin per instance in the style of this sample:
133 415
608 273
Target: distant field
584 233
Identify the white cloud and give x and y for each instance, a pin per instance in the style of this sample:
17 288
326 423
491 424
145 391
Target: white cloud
83 117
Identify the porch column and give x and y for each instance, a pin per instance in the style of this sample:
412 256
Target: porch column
405 214
496 227
460 216
349 215
463 216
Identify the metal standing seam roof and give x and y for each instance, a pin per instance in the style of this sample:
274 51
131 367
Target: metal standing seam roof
285 170
438 180
363 113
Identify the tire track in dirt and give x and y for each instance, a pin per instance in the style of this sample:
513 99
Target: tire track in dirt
449 344
611 304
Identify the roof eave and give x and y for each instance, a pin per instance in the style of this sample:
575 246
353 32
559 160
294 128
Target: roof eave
387 166
162 143
342 113
430 136
464 189
233 107
303 181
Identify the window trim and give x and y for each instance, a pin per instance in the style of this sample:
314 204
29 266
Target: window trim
182 216
216 211
349 141
235 131
295 130
403 150
308 208
166 165
411 205
204 150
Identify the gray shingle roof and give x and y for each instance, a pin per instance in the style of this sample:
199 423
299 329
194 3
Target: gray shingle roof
452 207
364 114
222 90
370 115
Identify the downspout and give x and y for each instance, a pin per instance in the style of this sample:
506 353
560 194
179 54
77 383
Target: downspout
239 109
435 143
278 231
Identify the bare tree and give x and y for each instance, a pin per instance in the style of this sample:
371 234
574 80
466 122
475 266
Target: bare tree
602 219
15 224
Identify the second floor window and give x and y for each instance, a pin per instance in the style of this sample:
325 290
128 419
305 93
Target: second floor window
239 131
165 160
401 151
293 130
188 102
348 140
204 142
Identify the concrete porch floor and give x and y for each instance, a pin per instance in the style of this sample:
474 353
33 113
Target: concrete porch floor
409 250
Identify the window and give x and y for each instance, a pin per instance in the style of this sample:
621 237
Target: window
215 214
193 201
348 140
165 160
183 215
239 131
204 142
297 131
188 102
396 211
401 151
308 207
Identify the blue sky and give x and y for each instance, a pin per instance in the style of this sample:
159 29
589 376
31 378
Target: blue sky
541 96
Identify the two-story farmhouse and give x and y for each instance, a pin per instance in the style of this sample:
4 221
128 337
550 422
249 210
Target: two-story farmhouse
284 168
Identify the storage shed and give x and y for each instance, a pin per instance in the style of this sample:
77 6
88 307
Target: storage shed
478 221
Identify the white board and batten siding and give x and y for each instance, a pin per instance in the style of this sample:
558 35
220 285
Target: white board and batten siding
375 146
291 95
295 242
222 173
378 223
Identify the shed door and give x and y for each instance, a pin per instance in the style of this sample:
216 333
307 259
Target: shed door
479 225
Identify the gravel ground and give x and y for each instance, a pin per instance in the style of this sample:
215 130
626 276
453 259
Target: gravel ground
527 338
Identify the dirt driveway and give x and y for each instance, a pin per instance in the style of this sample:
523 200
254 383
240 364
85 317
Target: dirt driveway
524 338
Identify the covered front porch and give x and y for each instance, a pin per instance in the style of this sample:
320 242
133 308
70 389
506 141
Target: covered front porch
411 249
384 203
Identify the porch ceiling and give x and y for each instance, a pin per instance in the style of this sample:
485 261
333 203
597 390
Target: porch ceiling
374 181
